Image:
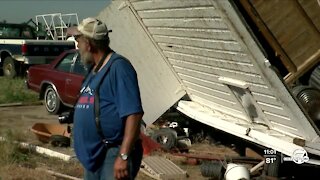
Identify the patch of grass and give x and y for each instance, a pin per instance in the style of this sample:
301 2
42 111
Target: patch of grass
14 90
22 163
11 153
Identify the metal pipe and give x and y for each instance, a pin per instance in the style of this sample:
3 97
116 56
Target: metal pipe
254 168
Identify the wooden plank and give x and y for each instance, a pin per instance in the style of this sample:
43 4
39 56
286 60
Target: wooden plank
287 35
220 34
165 4
294 30
205 23
310 62
312 9
273 14
299 53
307 18
189 12
200 43
267 34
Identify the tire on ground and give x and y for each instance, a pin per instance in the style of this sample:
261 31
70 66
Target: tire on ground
166 137
59 141
212 169
9 67
51 100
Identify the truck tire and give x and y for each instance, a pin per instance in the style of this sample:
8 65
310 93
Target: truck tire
9 67
166 137
51 100
59 141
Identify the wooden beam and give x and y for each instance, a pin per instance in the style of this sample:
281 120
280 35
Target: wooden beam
268 35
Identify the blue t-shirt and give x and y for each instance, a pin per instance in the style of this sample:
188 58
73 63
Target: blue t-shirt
119 97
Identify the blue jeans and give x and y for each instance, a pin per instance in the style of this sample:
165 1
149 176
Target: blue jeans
105 172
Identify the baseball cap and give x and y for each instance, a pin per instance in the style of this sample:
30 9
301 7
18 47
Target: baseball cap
90 27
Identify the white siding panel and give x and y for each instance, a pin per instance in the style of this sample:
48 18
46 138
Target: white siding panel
207 82
207 90
284 127
276 110
169 4
216 70
218 54
266 98
298 122
218 108
212 62
219 34
227 45
190 12
159 86
261 89
206 39
197 74
215 99
215 23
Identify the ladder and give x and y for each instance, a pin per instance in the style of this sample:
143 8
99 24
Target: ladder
56 24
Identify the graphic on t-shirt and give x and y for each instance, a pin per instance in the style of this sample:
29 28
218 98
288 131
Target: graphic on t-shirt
86 89
86 98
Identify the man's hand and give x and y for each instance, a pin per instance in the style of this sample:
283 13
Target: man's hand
120 169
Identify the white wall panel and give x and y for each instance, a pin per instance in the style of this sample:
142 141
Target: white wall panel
159 87
193 45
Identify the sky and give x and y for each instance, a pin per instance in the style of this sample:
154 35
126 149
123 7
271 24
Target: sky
19 11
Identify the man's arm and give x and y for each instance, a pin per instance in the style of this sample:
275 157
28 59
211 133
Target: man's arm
131 134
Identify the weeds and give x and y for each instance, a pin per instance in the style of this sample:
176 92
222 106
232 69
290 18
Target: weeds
18 162
11 153
14 90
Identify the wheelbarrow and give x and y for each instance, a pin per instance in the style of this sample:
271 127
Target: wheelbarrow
56 134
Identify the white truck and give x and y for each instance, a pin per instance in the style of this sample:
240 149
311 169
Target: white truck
248 67
21 46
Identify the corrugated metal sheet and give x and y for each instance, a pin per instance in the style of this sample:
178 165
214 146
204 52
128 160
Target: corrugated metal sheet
198 42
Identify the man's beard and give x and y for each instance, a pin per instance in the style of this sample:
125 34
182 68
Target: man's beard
86 58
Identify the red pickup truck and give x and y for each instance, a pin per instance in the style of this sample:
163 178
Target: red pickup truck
59 82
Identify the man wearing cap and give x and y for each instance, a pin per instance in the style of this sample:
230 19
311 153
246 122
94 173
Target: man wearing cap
108 148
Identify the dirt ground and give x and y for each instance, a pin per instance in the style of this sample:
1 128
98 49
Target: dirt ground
21 118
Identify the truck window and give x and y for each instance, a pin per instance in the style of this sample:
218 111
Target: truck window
14 31
65 63
79 67
9 32
26 33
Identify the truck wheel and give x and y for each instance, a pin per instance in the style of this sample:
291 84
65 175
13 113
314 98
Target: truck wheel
59 141
9 67
166 137
51 100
